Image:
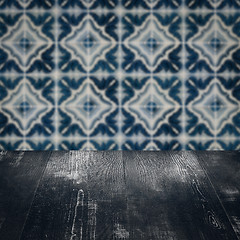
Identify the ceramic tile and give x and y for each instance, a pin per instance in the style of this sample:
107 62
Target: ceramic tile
88 42
27 42
151 42
151 106
27 106
119 74
29 4
154 144
88 106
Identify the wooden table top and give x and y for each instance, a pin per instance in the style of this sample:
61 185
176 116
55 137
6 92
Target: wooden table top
119 195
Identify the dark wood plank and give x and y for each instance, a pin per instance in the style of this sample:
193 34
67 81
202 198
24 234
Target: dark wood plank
107 188
20 173
170 197
81 196
223 169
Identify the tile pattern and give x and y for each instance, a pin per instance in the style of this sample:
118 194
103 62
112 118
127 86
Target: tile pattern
111 74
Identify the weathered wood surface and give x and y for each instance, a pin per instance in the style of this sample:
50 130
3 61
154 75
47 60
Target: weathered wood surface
170 197
223 170
119 195
79 197
20 173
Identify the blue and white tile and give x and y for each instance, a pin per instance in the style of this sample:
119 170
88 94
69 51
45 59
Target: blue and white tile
212 109
213 144
88 106
200 106
27 107
213 42
168 144
209 4
226 4
45 144
202 4
137 144
228 42
152 4
151 42
148 144
88 42
10 87
201 144
26 42
103 144
228 106
213 4
109 74
27 4
85 144
11 49
73 144
88 4
229 144
11 144
151 106
200 42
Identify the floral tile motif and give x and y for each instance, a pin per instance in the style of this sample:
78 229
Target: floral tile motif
213 42
27 107
27 4
93 144
151 42
151 144
11 144
212 107
120 74
202 144
229 144
212 4
38 144
88 42
26 43
88 4
211 144
151 106
88 106
151 4
229 35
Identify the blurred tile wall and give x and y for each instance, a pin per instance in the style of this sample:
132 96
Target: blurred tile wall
111 74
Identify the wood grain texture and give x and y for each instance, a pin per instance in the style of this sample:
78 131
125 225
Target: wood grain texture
20 173
170 197
78 198
223 169
121 195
